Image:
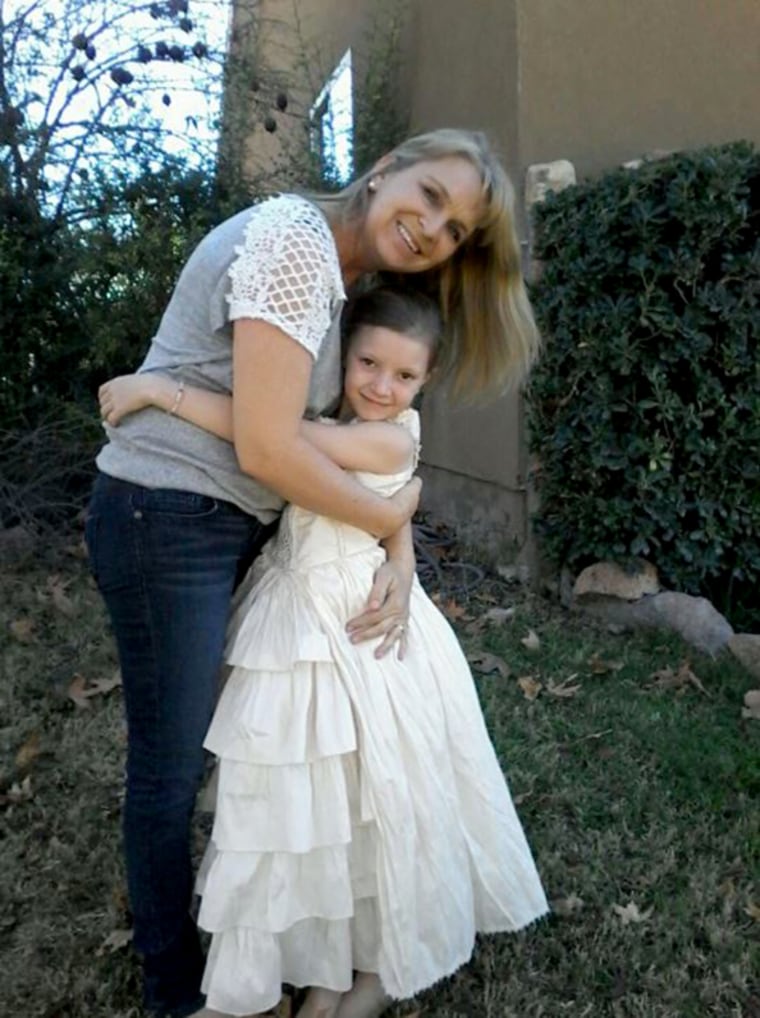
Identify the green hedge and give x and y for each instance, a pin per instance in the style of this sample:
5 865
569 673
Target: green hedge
645 409
79 300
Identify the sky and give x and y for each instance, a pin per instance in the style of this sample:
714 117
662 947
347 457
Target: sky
193 87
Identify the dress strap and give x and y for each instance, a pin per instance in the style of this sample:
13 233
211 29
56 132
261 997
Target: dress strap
410 419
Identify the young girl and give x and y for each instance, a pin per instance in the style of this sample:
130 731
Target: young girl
363 832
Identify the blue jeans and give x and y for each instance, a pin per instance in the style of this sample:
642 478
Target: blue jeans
166 563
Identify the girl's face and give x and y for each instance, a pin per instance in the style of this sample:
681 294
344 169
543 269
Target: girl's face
418 216
384 371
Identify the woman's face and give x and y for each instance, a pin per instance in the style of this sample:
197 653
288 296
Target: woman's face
418 216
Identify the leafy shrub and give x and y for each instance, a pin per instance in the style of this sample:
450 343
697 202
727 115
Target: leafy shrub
79 301
645 411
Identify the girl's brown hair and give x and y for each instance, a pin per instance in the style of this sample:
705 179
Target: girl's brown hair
399 308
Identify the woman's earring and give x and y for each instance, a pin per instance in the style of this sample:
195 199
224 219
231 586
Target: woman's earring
372 185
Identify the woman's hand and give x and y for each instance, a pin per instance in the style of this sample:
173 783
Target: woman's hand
127 393
387 611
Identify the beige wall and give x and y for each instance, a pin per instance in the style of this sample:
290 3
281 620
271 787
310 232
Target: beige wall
594 81
604 81
464 73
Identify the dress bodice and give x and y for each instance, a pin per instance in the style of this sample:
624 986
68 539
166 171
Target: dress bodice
305 539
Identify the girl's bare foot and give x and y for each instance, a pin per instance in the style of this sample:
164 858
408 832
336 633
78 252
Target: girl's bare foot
320 1003
365 999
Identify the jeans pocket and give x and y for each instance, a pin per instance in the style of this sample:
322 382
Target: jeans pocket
179 505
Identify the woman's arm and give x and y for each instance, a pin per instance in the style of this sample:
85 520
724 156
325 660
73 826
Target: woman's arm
271 373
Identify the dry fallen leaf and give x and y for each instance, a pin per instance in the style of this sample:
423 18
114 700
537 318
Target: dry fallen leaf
22 630
19 791
599 666
499 615
727 891
751 708
81 691
564 690
453 611
666 678
476 627
566 906
77 549
56 587
630 913
531 641
28 752
76 692
531 687
753 911
114 942
487 663
100 687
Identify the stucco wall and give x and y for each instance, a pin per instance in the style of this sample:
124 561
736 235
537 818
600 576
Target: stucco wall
604 81
463 72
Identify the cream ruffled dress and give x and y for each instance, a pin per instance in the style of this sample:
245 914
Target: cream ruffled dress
362 819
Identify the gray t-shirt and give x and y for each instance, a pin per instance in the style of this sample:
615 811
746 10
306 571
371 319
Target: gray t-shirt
276 262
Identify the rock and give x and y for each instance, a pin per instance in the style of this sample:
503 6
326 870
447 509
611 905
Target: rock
651 157
751 708
693 618
541 178
613 580
746 649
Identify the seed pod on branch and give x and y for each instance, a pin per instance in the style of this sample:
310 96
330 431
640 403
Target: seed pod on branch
121 76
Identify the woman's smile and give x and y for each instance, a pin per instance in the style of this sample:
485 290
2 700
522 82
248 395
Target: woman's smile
419 215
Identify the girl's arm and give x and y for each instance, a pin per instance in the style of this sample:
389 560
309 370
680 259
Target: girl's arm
125 394
380 447
377 446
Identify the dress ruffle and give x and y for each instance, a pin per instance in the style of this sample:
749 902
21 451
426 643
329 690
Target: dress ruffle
362 820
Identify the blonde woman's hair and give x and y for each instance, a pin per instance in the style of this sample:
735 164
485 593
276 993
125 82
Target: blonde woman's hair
490 337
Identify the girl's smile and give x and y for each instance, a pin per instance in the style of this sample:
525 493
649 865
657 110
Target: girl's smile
385 370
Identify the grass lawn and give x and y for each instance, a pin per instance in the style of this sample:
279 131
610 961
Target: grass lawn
639 793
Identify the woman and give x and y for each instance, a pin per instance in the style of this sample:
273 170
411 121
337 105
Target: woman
363 831
178 515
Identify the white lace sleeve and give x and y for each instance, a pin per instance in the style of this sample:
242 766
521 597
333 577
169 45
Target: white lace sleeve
286 272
